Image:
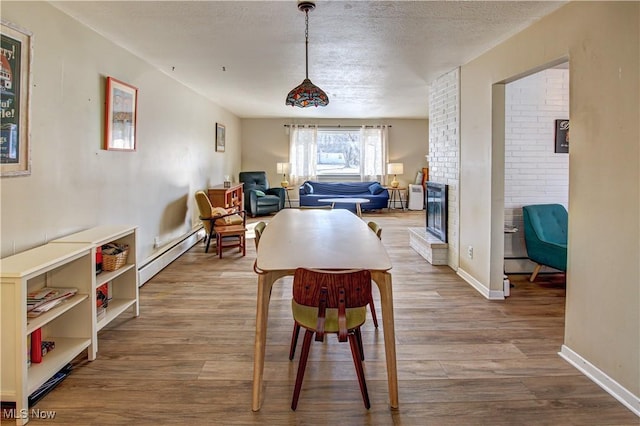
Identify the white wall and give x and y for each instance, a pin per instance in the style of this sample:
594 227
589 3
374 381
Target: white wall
602 42
266 141
74 183
533 172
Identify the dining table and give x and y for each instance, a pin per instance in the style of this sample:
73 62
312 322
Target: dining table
320 239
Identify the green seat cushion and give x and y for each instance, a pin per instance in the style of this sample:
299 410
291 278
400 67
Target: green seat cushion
307 316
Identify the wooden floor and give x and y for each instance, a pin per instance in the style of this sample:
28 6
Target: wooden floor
462 360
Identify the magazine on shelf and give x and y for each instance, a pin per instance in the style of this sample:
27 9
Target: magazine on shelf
44 299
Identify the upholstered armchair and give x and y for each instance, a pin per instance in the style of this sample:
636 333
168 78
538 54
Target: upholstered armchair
228 226
259 198
545 235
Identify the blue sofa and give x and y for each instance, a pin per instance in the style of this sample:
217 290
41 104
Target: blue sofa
311 192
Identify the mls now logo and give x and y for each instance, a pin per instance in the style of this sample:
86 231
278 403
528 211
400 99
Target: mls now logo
24 414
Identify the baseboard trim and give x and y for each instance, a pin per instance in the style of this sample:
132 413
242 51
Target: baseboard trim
489 294
612 387
170 253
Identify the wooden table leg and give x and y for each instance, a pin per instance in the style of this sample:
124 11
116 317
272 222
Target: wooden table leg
265 282
358 210
383 280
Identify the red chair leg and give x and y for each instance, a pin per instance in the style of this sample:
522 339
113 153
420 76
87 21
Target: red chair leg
302 365
294 340
359 338
373 313
357 361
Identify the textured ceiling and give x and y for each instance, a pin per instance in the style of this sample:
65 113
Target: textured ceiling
374 59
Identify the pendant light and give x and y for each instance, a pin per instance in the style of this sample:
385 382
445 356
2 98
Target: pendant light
307 94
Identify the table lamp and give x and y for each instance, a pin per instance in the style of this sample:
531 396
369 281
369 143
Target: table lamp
283 168
395 169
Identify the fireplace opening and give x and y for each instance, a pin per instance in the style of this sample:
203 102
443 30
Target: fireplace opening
436 203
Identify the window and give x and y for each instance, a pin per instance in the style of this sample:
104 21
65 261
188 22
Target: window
337 154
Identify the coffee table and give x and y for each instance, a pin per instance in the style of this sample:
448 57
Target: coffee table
356 201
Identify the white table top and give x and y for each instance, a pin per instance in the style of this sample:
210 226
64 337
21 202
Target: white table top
323 239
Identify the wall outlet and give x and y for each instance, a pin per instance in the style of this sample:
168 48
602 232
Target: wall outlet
470 252
156 242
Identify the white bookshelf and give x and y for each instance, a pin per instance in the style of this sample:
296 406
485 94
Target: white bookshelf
52 265
124 293
72 325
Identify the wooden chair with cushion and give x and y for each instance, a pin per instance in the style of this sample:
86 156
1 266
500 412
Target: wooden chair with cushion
378 231
330 302
226 225
259 228
375 228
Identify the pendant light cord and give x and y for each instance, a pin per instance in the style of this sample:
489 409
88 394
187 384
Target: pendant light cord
306 41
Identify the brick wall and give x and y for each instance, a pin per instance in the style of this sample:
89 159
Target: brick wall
444 148
534 174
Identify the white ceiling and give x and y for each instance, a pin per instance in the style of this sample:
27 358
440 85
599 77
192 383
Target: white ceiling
374 59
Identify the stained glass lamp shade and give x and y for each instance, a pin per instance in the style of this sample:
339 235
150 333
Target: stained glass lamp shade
307 94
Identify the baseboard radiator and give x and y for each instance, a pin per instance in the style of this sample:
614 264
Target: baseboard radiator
171 252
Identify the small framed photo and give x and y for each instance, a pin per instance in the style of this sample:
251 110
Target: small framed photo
562 137
220 137
120 116
15 99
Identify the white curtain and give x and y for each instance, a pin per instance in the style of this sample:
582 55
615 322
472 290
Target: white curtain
303 153
373 153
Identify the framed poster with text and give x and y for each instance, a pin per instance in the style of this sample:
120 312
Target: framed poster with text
15 76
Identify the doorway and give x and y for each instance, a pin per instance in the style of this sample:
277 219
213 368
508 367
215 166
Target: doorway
535 170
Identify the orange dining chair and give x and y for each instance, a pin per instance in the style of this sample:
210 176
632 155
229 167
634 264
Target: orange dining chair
330 302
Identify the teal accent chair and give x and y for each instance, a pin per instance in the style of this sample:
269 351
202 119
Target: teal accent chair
545 236
259 198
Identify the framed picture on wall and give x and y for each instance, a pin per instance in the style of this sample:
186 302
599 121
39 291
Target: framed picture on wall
562 136
120 116
15 99
220 137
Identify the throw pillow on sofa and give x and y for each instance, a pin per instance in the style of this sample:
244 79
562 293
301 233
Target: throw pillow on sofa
308 188
375 188
259 193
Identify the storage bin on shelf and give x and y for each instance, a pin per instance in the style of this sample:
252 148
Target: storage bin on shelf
114 256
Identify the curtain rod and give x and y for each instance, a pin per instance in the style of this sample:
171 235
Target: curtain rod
339 126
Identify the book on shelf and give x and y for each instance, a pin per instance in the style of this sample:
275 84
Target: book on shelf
44 299
102 300
101 313
29 350
102 295
47 386
36 346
